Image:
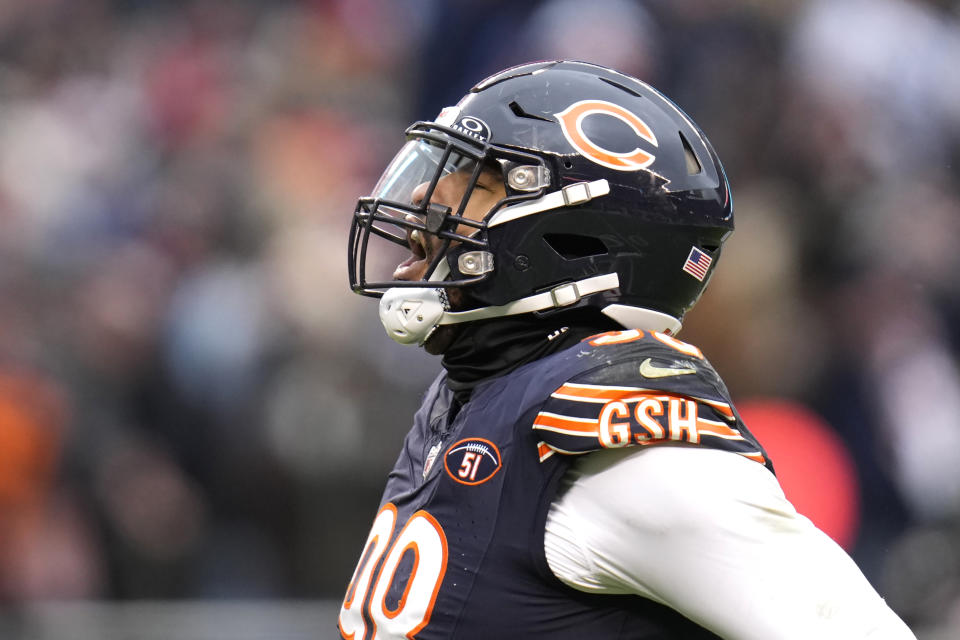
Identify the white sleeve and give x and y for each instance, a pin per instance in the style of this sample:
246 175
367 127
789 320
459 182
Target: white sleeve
710 534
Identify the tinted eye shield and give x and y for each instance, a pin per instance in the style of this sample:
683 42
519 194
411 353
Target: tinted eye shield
431 153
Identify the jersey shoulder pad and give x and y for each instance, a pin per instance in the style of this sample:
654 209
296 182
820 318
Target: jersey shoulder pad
644 388
652 361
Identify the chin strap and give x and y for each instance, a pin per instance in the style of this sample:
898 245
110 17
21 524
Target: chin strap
411 315
568 196
560 296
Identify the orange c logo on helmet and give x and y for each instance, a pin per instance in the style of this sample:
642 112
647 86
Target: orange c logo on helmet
571 123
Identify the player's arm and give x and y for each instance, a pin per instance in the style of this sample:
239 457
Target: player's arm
710 534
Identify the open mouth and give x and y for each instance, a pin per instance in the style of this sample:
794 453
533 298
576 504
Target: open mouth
414 267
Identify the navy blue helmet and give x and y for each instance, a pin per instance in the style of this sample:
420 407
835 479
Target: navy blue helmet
613 199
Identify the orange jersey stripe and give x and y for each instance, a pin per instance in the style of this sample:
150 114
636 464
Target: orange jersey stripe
584 393
722 407
756 457
712 428
603 393
544 450
598 393
565 424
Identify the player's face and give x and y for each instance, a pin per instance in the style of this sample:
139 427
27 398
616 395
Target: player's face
449 192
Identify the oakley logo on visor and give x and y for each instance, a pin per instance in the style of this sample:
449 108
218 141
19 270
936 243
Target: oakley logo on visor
571 123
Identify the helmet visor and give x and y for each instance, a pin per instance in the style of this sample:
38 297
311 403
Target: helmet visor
417 163
418 206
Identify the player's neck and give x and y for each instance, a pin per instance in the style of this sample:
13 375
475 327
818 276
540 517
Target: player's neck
485 350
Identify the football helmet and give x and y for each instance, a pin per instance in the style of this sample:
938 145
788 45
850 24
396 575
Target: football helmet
608 196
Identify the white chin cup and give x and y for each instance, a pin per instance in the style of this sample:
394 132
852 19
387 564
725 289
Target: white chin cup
409 316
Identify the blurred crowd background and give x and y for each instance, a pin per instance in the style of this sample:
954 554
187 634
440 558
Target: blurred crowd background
193 405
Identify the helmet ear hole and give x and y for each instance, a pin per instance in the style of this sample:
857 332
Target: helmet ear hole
571 246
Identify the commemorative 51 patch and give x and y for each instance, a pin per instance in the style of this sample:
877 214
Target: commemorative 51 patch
472 461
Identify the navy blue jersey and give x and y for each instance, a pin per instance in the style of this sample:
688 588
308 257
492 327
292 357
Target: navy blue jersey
456 549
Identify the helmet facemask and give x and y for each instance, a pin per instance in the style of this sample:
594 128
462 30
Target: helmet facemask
404 210
432 205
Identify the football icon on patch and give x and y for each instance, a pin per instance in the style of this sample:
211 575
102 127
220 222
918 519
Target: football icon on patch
472 461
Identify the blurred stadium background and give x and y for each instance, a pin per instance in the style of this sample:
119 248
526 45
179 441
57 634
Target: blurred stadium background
196 417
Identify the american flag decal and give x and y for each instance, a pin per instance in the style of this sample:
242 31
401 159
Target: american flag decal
697 264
